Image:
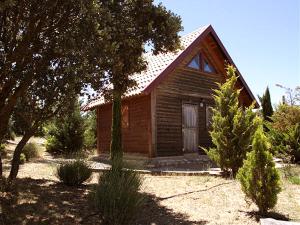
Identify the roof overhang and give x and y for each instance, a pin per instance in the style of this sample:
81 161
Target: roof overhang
180 58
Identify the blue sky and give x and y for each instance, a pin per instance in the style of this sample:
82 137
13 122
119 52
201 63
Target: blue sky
261 36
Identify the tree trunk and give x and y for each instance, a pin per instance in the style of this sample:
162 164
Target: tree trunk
3 127
16 158
1 170
116 130
3 130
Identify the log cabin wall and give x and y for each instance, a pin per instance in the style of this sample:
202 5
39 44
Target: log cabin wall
182 86
136 135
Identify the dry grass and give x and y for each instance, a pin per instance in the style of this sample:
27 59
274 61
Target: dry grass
170 200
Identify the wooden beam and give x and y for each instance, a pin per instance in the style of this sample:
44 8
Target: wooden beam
153 145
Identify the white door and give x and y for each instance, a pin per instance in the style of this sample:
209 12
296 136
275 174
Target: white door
190 127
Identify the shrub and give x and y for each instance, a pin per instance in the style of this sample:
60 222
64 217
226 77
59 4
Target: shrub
90 138
66 135
285 132
290 173
116 196
74 173
22 158
295 180
3 150
258 176
232 126
31 150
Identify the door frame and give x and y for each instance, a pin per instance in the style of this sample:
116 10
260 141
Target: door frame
182 120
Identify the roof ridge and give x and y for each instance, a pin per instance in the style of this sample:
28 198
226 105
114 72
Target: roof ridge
197 30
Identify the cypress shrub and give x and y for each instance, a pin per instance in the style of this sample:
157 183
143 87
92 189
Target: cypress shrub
232 126
259 178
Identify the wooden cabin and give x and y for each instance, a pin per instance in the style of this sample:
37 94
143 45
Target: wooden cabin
167 113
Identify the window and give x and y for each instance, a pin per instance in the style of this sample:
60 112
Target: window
208 117
208 68
195 63
125 116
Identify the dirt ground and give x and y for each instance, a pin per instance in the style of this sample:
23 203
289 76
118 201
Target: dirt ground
170 200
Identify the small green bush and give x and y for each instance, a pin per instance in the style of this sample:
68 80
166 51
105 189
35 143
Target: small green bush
22 158
117 196
74 173
3 150
294 180
259 178
31 150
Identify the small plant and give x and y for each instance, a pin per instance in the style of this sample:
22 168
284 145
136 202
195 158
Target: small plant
22 158
117 196
258 176
74 173
290 174
31 150
294 180
3 150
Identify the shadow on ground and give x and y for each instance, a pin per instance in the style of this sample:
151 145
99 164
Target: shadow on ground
41 201
271 214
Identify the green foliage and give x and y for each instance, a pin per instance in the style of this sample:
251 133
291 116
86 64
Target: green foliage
10 133
90 133
232 126
31 150
66 135
266 104
259 178
74 173
285 132
290 173
3 151
284 117
295 180
22 158
116 196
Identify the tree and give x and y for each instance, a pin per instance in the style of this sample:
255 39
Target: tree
38 38
67 135
133 24
284 132
267 109
259 178
232 126
292 97
40 104
90 134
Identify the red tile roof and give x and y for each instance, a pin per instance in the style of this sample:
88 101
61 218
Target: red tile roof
156 64
159 66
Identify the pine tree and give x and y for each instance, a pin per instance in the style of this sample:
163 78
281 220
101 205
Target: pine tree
259 178
267 109
232 126
66 135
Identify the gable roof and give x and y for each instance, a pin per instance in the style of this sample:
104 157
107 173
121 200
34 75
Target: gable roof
160 65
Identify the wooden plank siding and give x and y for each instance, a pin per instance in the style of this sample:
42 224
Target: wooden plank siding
182 86
136 138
